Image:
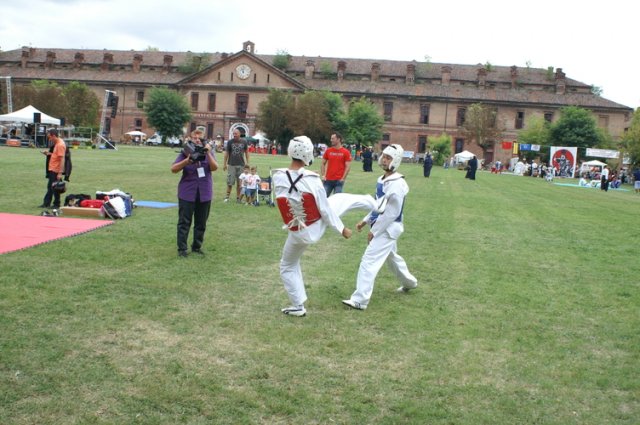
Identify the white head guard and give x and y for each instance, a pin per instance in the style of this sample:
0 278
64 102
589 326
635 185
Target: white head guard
395 152
300 147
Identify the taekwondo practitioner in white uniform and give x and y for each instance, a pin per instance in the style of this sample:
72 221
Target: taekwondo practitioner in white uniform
306 213
386 228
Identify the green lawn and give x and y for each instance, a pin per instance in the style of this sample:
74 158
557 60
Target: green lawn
527 310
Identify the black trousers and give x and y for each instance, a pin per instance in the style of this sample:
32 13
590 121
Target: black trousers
199 213
52 177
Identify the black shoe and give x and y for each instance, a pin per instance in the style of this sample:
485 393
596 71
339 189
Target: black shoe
198 251
43 206
182 254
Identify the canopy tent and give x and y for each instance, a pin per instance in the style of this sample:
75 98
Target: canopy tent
25 115
136 133
594 163
464 156
586 166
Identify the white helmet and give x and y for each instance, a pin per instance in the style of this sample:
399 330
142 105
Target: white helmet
300 147
395 152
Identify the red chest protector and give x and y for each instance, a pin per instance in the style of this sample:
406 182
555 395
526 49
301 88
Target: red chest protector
298 214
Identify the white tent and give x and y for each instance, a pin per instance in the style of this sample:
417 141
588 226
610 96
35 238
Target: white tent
464 156
25 115
590 164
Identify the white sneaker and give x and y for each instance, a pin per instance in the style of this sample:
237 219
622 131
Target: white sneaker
226 200
403 289
354 304
298 311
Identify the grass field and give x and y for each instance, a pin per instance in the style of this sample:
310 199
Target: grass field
527 310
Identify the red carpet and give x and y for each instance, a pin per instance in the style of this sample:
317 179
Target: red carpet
19 231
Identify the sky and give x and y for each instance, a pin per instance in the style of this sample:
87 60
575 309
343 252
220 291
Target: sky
592 41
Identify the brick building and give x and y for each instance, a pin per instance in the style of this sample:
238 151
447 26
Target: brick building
418 100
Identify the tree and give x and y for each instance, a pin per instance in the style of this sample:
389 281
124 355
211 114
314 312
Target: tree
365 122
83 105
310 116
576 127
481 126
281 59
43 95
336 112
167 111
273 115
440 147
194 62
536 132
630 143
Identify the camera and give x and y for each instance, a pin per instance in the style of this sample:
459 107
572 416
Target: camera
195 152
199 154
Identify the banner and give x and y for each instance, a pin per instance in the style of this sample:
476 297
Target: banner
525 146
563 159
515 148
535 148
507 145
603 153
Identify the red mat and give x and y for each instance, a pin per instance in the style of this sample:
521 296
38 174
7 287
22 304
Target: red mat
19 231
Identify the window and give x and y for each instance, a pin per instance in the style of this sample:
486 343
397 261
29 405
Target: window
242 104
388 110
192 126
519 119
548 116
461 116
195 97
422 144
107 125
210 130
386 137
603 121
459 145
212 102
493 118
137 123
140 99
424 113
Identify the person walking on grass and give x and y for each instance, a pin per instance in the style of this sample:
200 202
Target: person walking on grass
386 227
234 161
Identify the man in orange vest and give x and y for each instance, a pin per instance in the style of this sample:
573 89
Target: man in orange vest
55 168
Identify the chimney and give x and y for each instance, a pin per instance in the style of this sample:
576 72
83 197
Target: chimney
375 71
342 66
107 60
197 61
561 84
514 76
224 55
137 60
411 74
309 69
51 58
482 77
24 60
78 60
166 66
446 75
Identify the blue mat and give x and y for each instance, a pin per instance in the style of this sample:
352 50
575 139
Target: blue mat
589 187
154 204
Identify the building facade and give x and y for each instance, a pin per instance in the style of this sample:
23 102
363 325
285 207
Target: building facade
418 100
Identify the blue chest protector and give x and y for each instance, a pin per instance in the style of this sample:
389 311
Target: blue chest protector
379 194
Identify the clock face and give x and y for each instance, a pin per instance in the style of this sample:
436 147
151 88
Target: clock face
243 71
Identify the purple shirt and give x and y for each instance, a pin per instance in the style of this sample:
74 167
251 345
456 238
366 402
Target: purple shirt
190 183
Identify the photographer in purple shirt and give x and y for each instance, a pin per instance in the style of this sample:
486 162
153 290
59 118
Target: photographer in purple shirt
195 190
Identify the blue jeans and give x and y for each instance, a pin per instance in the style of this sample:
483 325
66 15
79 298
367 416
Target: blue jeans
334 186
